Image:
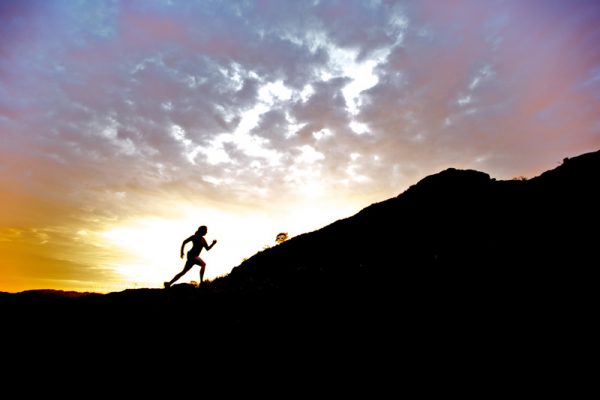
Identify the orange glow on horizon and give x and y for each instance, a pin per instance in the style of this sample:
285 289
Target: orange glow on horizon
125 125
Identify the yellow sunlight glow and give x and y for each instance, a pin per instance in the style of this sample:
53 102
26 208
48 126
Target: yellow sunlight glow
151 245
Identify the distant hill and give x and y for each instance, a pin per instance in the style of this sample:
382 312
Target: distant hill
457 249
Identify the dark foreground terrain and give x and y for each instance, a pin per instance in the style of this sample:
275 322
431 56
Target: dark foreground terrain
457 261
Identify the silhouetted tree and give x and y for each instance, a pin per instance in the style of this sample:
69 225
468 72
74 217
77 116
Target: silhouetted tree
281 237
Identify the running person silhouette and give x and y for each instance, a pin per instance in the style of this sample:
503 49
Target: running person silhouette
193 255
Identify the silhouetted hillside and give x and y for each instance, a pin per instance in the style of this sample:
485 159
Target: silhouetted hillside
453 230
458 250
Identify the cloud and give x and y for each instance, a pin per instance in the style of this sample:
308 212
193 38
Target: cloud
474 86
107 106
438 82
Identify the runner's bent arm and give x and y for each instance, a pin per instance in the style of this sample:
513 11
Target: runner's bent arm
206 246
183 244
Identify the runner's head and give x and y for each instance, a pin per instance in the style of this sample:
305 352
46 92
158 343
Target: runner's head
202 230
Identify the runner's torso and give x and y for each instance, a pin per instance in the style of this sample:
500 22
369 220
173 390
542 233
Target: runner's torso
197 244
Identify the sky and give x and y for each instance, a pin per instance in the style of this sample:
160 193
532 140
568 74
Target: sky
125 125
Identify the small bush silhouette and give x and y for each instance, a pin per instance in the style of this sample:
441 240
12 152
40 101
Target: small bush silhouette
281 237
